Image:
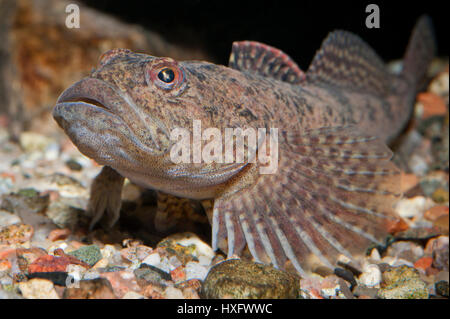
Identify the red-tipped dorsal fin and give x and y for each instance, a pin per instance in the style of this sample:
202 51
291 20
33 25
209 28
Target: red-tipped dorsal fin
264 60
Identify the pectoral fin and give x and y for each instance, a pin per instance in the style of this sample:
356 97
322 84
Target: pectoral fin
333 194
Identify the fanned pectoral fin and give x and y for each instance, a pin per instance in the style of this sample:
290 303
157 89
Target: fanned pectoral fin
333 194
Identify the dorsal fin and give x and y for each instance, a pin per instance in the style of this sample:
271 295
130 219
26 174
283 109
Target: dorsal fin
264 60
346 61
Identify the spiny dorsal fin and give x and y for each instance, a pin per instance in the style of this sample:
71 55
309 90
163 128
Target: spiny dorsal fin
265 60
346 61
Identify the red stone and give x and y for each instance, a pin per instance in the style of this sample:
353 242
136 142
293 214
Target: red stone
49 263
436 212
178 274
423 263
59 234
396 226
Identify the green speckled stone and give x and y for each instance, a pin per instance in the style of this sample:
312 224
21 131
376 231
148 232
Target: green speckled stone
402 283
89 254
240 279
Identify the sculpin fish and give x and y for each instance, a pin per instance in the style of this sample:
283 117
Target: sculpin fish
335 185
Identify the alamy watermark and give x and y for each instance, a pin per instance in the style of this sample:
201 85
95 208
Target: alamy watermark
210 146
73 17
373 19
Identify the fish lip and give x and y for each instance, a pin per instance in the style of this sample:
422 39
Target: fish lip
102 98
93 92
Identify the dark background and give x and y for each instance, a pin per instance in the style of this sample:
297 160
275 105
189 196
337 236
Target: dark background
296 27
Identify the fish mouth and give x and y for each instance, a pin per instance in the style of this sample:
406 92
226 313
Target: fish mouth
93 114
92 92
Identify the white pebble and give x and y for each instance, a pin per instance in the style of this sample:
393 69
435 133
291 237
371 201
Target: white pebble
6 218
173 293
204 260
133 295
91 274
371 277
375 255
38 289
201 248
195 271
413 207
396 262
152 260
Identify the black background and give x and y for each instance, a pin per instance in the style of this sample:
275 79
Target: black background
296 27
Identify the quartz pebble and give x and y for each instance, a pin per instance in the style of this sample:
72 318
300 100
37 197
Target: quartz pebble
413 207
38 289
371 276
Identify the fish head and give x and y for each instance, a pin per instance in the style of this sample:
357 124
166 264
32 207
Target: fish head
123 113
130 102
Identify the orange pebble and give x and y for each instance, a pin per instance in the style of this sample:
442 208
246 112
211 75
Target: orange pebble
408 182
9 175
178 274
396 226
5 265
432 104
423 263
59 234
436 212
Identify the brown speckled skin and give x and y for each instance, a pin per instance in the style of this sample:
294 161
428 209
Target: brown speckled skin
334 189
140 114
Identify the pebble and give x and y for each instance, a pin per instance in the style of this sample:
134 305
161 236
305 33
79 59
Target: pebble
236 278
140 253
405 250
74 165
152 275
173 293
330 287
121 282
153 292
442 288
371 276
194 270
440 196
434 213
59 234
76 272
38 289
16 234
4 294
133 295
6 184
7 218
152 260
34 142
423 264
432 104
89 254
439 85
402 283
440 248
375 255
62 214
413 207
99 288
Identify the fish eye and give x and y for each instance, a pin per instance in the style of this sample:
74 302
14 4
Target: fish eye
166 75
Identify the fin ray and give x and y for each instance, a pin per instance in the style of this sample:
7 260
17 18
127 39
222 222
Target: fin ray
318 205
264 60
346 61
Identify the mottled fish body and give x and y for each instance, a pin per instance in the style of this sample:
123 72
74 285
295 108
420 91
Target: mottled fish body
335 186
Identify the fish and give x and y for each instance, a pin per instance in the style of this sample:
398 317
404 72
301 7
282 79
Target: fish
335 186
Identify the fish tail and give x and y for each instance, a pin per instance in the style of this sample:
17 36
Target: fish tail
419 53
